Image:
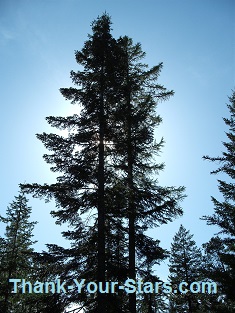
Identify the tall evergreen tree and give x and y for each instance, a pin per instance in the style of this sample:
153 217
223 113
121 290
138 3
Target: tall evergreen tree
224 213
148 204
16 254
84 191
107 192
185 263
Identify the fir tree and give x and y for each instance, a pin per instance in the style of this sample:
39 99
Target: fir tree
148 204
16 253
107 192
224 214
18 260
185 263
83 193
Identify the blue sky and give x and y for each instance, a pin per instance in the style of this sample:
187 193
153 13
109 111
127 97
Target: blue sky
194 40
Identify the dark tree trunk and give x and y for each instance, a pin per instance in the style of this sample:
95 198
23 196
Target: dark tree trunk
101 206
131 208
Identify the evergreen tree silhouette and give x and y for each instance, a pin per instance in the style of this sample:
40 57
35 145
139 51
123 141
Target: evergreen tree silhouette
108 192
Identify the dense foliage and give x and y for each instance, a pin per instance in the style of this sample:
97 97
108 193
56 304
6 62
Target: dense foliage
16 251
185 263
107 190
107 193
221 248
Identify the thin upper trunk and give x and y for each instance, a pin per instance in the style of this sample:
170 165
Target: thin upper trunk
101 207
190 310
131 208
12 266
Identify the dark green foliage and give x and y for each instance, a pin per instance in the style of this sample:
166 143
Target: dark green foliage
16 254
107 190
185 263
19 261
221 249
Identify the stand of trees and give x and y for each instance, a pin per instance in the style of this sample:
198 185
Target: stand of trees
217 264
108 194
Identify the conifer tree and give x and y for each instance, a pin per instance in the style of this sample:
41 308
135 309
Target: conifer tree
185 263
215 270
108 192
16 254
18 260
148 204
84 191
150 301
224 214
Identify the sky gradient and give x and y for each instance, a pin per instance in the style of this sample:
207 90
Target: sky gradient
194 40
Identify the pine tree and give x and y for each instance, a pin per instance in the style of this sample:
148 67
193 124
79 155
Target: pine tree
107 192
224 213
16 253
185 263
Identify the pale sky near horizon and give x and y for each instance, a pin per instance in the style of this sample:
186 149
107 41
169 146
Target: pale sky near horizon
194 40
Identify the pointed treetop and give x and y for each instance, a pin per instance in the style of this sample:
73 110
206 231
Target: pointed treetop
103 23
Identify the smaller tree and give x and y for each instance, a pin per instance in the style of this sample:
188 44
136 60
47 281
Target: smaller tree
15 253
185 263
149 253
